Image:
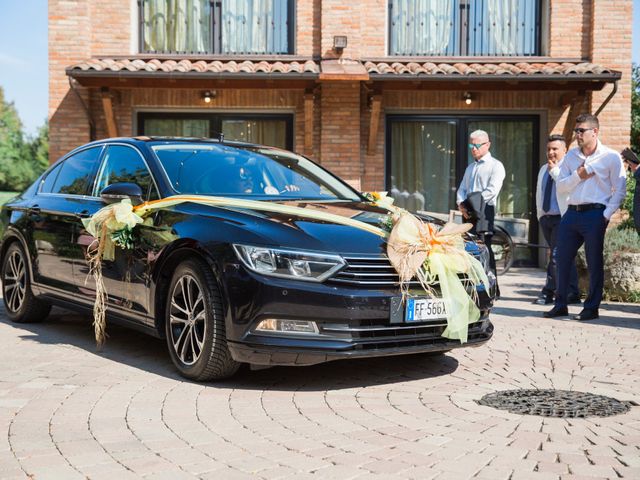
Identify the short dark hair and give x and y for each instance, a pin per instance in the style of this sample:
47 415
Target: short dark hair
589 119
556 138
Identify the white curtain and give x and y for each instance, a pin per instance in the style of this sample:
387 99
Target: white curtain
421 27
422 165
177 25
503 17
257 26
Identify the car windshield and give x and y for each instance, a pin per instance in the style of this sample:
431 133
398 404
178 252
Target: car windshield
259 173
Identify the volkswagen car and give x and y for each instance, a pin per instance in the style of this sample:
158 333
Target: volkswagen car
224 285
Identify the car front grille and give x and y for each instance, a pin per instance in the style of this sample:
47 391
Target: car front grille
377 272
367 271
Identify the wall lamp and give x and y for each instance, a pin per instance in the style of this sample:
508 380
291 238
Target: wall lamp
339 43
209 95
467 98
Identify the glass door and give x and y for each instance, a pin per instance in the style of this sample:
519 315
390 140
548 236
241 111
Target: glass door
427 157
423 173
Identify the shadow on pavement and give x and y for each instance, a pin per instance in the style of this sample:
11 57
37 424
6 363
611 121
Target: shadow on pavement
138 350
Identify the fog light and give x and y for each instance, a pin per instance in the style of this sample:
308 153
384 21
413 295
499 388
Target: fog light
287 326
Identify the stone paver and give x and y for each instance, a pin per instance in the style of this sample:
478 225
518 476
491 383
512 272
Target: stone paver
69 411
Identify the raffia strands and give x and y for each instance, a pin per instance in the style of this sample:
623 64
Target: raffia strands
94 258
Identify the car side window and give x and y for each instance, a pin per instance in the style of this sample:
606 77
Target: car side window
76 172
125 164
49 180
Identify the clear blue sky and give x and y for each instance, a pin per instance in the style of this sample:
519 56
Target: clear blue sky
23 59
23 56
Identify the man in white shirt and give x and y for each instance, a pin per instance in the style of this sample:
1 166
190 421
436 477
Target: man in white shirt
483 180
549 208
594 177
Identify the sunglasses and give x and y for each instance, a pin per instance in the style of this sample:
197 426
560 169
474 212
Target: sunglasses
477 145
580 131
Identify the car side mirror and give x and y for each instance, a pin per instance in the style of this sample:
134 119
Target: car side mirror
119 191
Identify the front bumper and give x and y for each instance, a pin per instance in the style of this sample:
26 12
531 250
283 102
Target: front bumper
352 322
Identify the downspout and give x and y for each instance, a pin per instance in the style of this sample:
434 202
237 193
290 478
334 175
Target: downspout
606 100
92 125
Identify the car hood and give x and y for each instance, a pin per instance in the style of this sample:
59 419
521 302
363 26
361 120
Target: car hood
298 231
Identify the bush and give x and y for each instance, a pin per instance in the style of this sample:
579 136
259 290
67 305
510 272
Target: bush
621 265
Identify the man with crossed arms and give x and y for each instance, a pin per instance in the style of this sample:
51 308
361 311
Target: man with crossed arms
594 178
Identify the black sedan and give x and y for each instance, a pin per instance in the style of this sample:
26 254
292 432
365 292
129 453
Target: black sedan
224 285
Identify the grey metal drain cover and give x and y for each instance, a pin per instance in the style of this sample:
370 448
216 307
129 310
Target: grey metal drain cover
555 403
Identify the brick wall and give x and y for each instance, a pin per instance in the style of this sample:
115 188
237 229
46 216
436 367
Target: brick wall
68 22
570 28
340 130
611 46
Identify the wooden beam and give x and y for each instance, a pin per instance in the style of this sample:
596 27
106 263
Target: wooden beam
107 105
574 111
308 123
374 123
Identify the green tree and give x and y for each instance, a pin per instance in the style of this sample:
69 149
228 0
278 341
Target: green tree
21 161
627 204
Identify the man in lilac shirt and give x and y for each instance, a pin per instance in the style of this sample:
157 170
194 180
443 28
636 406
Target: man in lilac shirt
593 177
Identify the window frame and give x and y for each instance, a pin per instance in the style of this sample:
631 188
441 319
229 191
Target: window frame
216 33
216 119
102 163
462 28
58 166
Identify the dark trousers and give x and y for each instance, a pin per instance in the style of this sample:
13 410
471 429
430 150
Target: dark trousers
576 228
486 234
549 225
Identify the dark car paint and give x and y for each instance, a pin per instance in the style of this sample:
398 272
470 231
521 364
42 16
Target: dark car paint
49 228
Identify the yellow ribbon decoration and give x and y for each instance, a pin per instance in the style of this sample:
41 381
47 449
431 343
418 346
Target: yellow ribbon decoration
415 249
418 249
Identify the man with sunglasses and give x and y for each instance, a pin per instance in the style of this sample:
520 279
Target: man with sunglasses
593 177
479 189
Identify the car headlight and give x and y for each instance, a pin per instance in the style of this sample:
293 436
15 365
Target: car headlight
299 265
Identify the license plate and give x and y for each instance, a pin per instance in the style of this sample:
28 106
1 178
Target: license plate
419 309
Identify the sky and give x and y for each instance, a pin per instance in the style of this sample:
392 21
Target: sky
23 57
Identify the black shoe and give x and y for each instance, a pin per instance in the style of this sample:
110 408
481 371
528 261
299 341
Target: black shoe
586 314
574 300
556 312
543 300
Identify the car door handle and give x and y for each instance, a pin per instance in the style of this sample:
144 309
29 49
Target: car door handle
83 214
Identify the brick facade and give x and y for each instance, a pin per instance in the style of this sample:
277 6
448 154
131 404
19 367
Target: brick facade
81 29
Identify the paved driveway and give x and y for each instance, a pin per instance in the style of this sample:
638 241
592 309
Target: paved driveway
68 411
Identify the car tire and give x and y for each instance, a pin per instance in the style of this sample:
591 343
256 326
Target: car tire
19 302
195 325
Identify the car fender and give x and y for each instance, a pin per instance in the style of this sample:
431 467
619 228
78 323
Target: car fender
170 256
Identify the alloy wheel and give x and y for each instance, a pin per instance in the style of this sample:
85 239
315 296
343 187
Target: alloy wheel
187 319
14 281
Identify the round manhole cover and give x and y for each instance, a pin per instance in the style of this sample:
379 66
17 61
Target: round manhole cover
554 403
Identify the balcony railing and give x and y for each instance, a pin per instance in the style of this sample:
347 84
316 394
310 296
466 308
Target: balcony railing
464 27
240 27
